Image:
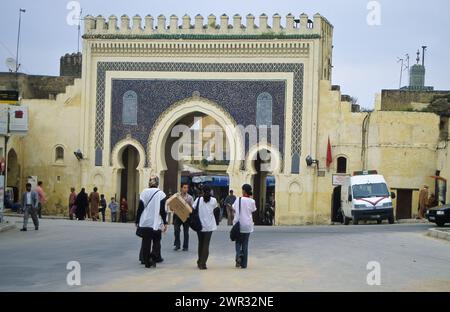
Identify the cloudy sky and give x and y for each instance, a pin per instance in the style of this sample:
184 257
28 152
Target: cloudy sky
365 56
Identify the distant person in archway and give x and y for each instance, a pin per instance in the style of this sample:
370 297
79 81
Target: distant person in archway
423 200
206 206
94 200
72 206
243 213
123 210
229 201
177 223
82 204
103 204
42 198
113 206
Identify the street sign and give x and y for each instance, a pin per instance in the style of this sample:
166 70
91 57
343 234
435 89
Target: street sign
4 110
2 196
18 120
9 96
2 165
33 180
339 179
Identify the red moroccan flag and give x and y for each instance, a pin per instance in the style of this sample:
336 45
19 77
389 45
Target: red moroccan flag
329 156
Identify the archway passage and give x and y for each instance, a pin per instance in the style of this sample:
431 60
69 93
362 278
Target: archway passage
264 189
336 215
13 178
196 152
129 180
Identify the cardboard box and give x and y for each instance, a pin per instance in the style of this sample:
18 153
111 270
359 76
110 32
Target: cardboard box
179 206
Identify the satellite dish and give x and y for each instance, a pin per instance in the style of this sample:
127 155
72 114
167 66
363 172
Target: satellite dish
11 64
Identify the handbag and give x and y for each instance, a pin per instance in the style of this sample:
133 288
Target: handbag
139 231
194 218
236 229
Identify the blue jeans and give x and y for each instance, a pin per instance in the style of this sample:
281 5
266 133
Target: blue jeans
242 248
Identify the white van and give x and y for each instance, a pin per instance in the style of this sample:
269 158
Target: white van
365 196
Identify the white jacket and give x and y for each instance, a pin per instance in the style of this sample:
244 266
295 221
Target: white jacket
150 217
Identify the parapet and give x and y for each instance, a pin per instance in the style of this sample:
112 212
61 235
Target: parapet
198 25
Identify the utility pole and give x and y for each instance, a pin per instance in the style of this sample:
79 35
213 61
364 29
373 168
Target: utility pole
18 39
79 29
400 60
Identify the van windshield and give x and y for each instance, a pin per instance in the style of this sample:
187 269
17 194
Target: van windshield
370 190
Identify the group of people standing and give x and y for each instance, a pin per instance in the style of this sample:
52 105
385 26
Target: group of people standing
32 204
82 206
152 221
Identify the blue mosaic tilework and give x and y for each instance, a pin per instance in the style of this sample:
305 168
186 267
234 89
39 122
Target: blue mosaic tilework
238 98
296 69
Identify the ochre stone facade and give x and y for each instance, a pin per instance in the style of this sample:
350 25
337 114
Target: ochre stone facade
400 145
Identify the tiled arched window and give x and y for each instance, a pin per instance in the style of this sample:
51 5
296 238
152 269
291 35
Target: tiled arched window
129 108
264 110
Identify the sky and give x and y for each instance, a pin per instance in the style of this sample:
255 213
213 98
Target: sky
365 55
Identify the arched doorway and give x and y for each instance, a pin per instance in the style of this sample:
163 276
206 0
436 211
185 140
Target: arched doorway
129 179
184 113
336 215
196 152
264 188
13 175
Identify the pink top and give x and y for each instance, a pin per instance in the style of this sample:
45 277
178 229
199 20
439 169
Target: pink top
41 195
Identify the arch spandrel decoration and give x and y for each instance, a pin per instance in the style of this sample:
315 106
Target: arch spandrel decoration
165 122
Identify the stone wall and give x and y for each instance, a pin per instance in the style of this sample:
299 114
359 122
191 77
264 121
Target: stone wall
35 86
405 100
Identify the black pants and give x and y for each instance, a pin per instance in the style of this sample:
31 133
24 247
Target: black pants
102 211
150 247
39 212
123 217
204 239
177 223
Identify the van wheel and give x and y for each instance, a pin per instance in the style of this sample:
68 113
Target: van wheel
440 224
379 221
345 220
391 220
355 221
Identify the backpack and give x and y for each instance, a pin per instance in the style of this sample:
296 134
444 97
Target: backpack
194 218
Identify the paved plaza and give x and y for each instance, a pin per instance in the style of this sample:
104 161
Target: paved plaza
310 258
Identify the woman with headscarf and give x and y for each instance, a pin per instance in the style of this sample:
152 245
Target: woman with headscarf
82 204
206 206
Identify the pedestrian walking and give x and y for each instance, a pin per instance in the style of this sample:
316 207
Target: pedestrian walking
206 206
423 200
177 223
30 202
123 210
229 201
113 206
94 200
243 213
42 197
102 206
151 221
72 206
82 204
